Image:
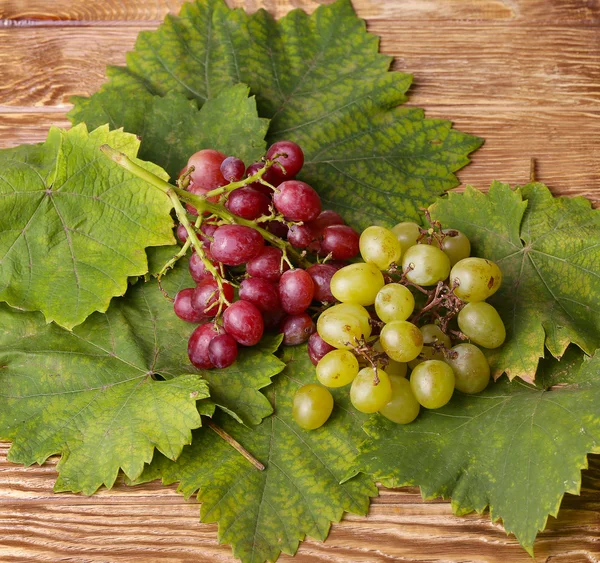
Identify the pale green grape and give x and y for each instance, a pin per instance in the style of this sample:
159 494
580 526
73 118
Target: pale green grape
432 334
457 247
357 283
429 264
407 234
396 368
368 396
355 310
482 324
339 330
403 407
402 341
337 368
379 246
394 302
471 368
312 406
432 383
477 279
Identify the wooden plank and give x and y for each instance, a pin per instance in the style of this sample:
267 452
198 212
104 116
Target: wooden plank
45 12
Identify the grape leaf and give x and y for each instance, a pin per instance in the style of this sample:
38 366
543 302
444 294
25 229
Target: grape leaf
549 252
323 84
514 447
75 225
262 513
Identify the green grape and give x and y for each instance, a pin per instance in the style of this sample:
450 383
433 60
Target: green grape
429 264
457 247
355 310
337 368
379 246
432 334
403 407
407 234
401 341
477 279
398 369
432 382
481 323
394 302
368 396
312 406
339 330
470 367
357 283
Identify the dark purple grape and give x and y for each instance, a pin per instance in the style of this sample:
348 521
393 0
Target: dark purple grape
321 275
199 342
273 318
296 290
233 245
300 236
182 233
197 269
317 348
183 307
206 297
233 169
340 241
222 350
248 203
278 229
325 219
244 322
297 201
297 329
261 293
267 265
291 158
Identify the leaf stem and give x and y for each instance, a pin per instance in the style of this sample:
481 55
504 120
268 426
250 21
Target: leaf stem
235 445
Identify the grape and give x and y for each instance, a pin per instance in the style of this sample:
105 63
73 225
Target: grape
199 342
357 283
340 330
270 176
267 265
368 396
290 157
182 233
470 367
261 293
379 246
361 314
338 368
197 269
402 341
300 236
297 201
432 334
432 383
236 244
205 299
183 307
273 318
321 275
341 241
297 329
244 322
248 203
207 169
403 407
478 279
325 219
407 234
198 190
394 302
222 350
482 324
278 228
232 169
317 348
207 230
312 406
456 247
398 369
430 264
296 290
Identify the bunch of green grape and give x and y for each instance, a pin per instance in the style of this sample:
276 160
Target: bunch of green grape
377 334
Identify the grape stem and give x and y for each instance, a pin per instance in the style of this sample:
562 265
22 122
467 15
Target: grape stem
235 445
256 177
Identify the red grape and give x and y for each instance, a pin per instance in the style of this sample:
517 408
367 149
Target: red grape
222 350
206 297
207 169
273 318
248 203
233 169
182 233
321 275
297 201
236 244
270 176
296 290
207 230
197 269
261 293
325 219
278 229
199 342
340 241
292 161
317 348
297 329
183 307
300 236
267 264
244 322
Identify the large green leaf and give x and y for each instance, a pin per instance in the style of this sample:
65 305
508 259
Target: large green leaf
262 513
549 252
74 224
323 84
90 394
514 447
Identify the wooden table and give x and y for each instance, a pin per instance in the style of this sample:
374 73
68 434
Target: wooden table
523 74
